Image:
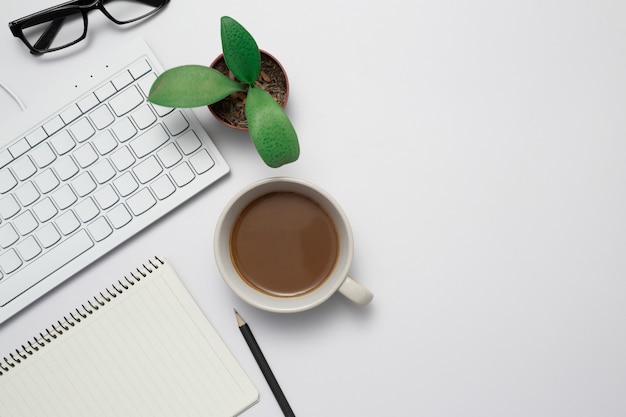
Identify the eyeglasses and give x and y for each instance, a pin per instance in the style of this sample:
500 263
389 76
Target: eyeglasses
66 24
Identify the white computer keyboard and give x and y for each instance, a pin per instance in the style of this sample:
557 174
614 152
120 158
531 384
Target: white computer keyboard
92 174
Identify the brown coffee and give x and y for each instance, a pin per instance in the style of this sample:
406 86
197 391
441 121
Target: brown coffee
284 244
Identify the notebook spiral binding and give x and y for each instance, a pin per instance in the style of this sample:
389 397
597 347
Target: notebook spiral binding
75 316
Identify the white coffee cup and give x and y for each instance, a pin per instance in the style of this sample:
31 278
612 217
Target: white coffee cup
338 279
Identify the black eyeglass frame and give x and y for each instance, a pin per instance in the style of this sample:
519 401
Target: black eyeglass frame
53 14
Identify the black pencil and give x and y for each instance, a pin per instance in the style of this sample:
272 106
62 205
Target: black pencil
265 368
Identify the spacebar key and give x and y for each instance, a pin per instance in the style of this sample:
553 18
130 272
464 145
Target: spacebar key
44 266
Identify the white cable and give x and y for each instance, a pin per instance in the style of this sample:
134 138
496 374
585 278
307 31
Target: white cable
13 95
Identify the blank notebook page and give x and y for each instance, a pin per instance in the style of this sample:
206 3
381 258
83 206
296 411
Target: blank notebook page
149 351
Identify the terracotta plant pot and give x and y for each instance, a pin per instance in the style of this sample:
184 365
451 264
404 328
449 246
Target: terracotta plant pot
273 79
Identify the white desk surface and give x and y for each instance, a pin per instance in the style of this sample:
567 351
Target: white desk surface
479 149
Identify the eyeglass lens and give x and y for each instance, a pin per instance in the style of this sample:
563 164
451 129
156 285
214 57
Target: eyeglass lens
62 30
65 27
125 11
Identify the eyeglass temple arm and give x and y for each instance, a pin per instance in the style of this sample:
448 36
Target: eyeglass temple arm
48 35
154 3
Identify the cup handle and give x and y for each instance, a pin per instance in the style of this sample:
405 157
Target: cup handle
355 292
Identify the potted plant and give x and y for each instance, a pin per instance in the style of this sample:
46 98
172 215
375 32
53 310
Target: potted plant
188 86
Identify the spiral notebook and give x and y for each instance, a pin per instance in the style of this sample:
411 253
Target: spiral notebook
139 348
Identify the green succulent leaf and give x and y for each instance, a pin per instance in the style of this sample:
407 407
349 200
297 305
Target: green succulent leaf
241 52
191 86
271 131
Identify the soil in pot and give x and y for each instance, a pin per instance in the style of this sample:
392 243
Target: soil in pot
272 79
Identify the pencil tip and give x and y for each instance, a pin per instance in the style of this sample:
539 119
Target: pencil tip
240 320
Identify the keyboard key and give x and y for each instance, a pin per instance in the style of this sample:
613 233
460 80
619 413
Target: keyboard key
43 155
101 117
144 117
126 101
44 210
145 84
103 171
36 136
88 102
176 123
189 142
19 148
47 235
24 168
85 155
8 235
5 158
141 202
169 155
148 169
65 168
124 130
139 68
53 125
9 262
42 267
9 207
119 216
163 187
100 229
7 181
62 142
106 197
70 114
46 181
106 91
86 210
67 222
83 184
28 248
126 184
27 194
25 223
82 130
122 80
160 110
201 162
105 142
149 141
64 197
182 174
122 159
